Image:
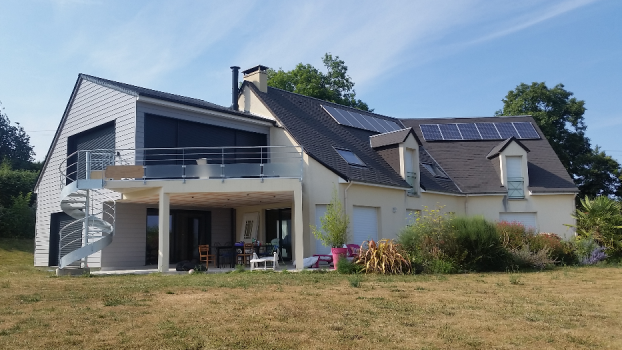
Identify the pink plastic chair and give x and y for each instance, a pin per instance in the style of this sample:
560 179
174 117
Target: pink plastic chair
353 250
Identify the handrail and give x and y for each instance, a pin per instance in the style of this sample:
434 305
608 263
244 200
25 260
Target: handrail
158 162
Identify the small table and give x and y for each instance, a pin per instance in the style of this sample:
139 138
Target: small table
322 257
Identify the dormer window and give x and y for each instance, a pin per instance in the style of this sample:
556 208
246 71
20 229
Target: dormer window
435 170
515 180
350 157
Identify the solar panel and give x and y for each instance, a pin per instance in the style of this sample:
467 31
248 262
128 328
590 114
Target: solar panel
431 132
488 131
336 115
478 131
506 130
469 131
362 121
450 132
526 130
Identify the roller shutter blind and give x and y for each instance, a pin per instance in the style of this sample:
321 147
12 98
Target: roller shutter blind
514 165
364 224
320 210
527 219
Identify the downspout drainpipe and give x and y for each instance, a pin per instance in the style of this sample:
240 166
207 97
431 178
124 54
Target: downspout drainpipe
345 197
466 205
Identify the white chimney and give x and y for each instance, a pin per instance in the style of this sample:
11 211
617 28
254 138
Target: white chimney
257 75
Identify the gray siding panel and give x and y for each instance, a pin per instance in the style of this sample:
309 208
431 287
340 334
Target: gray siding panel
93 105
221 226
129 244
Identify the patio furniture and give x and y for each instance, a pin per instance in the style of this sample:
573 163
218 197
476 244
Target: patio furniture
225 255
353 251
323 258
205 256
244 258
255 261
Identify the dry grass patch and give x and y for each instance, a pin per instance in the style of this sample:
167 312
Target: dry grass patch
564 308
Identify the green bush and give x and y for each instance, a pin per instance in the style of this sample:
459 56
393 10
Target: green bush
482 244
18 220
430 243
348 267
600 219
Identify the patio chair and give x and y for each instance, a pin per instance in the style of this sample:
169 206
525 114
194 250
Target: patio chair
353 251
255 261
205 256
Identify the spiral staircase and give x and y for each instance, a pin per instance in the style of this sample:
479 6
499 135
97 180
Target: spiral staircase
93 209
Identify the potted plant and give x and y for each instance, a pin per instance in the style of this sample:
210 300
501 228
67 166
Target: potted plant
333 231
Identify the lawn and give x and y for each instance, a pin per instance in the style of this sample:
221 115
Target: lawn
563 308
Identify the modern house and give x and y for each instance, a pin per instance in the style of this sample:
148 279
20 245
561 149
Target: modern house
159 174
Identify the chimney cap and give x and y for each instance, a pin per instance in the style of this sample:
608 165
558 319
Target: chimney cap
254 69
234 67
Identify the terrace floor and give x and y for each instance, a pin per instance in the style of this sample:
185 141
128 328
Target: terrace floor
143 270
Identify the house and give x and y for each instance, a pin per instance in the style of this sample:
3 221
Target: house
266 168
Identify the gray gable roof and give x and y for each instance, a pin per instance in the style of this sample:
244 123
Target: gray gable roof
313 128
467 164
503 145
390 138
165 96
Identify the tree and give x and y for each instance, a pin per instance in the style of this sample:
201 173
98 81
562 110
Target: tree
333 86
14 143
333 231
560 117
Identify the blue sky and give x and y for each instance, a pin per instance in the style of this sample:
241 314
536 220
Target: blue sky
409 59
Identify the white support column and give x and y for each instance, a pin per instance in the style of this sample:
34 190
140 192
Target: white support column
163 224
299 248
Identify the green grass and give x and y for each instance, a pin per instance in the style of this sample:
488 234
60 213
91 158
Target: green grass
563 308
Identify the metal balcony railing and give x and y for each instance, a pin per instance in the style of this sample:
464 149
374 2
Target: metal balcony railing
411 179
516 188
184 163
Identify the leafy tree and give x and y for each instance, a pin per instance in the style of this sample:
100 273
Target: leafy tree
560 117
14 142
333 231
333 86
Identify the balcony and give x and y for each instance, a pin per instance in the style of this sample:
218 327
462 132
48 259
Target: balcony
516 188
411 178
182 164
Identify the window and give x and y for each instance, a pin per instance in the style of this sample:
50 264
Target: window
515 182
434 170
350 157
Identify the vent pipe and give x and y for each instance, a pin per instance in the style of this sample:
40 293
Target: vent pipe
234 87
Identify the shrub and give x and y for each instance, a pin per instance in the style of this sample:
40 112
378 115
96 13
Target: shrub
384 257
589 252
482 244
333 231
525 257
348 267
430 243
514 234
600 219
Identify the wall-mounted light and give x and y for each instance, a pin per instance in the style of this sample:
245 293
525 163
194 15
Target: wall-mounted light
394 210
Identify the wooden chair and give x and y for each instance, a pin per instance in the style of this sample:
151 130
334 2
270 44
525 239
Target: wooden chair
205 256
247 254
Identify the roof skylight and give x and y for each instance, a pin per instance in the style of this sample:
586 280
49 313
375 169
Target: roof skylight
350 157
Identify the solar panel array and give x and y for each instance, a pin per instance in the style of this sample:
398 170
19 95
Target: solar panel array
362 121
478 131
